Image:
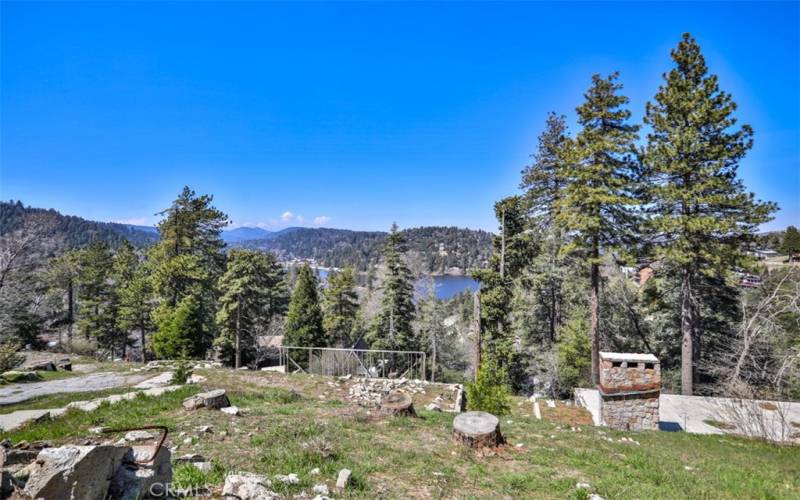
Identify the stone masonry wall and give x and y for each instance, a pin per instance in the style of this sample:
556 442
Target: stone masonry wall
629 376
635 412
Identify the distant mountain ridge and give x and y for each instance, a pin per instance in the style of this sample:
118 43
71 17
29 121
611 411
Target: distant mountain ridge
434 249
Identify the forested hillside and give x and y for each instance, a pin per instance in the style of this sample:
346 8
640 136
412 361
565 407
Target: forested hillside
431 249
72 231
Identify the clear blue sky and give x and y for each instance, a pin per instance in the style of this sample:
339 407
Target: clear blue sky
356 115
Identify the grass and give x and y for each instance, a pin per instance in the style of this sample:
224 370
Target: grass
287 428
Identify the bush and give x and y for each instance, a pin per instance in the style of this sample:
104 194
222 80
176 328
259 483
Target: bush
9 356
574 354
183 370
490 392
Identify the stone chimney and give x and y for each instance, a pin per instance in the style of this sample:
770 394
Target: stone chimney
630 385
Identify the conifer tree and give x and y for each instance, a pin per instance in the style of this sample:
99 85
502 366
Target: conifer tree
791 241
701 217
187 262
135 298
252 292
340 307
543 182
97 304
60 277
304 319
597 201
392 327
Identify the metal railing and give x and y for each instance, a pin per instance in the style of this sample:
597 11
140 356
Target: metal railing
357 362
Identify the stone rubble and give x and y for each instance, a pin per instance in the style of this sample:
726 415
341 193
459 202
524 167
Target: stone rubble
343 478
248 487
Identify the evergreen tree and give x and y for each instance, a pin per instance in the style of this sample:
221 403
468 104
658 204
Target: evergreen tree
304 319
134 295
177 336
124 267
596 206
186 262
791 241
392 327
252 292
61 274
701 217
340 307
543 182
97 303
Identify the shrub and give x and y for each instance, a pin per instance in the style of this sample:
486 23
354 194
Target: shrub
574 353
490 392
183 370
9 356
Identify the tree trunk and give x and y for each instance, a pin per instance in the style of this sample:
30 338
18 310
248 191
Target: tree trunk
433 369
477 429
238 361
594 323
687 331
398 404
476 313
142 338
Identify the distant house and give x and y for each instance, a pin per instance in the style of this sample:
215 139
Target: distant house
765 253
646 272
749 280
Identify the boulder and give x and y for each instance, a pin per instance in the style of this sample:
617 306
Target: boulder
138 436
215 399
230 410
134 480
11 456
75 472
433 407
15 376
248 487
64 364
42 366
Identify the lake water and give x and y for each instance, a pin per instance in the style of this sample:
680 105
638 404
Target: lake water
446 286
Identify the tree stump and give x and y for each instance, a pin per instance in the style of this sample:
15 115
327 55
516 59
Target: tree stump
477 429
397 403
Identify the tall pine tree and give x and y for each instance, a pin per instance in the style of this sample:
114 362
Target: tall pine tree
597 201
96 298
392 327
340 307
701 218
304 319
252 292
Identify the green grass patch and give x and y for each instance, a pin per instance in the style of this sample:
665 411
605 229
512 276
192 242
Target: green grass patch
60 400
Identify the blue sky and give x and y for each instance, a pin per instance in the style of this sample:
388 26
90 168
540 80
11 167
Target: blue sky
352 115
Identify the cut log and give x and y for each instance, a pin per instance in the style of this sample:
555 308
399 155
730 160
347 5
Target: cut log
477 429
398 403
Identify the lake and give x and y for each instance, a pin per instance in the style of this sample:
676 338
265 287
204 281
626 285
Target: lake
447 286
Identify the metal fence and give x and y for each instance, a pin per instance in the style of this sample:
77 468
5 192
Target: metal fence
357 362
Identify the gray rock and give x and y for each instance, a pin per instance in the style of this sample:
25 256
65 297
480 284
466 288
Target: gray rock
138 436
248 487
136 480
230 410
343 478
77 472
433 407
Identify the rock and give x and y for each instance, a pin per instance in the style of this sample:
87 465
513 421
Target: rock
42 366
203 466
64 364
433 407
595 496
343 478
79 472
314 471
188 440
583 486
190 458
230 410
477 429
15 376
139 480
195 379
215 399
205 429
321 489
138 436
248 487
9 457
288 479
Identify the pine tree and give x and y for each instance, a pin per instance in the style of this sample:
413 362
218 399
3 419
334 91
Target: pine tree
340 307
791 241
392 327
60 277
252 292
186 262
596 206
97 304
304 319
124 267
134 292
701 217
543 182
